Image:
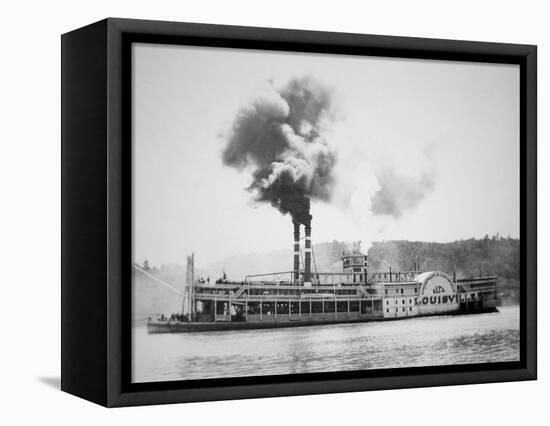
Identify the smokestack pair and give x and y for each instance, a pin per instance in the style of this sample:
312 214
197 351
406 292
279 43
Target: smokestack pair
307 266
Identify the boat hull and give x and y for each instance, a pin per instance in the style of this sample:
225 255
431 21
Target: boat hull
158 327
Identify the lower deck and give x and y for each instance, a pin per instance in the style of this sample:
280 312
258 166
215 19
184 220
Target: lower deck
277 311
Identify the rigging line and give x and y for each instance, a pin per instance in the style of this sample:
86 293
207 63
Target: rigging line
314 263
173 284
140 269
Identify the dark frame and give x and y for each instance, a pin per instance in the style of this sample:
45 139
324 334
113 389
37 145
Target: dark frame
96 227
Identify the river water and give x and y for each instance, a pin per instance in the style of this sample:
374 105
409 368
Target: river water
413 342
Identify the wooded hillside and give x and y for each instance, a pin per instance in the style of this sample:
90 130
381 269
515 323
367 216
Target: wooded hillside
473 257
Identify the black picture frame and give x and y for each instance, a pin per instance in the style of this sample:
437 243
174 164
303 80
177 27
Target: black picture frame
96 227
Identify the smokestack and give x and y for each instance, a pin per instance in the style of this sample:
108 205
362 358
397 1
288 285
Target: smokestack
307 267
296 251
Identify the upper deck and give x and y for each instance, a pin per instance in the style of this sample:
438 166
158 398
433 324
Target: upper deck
338 285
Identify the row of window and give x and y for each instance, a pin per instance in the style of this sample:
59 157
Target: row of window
397 310
393 277
400 290
316 307
478 285
402 301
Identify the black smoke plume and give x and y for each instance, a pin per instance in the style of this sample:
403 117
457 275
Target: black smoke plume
279 138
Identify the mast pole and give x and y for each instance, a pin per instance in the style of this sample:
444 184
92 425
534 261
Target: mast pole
192 310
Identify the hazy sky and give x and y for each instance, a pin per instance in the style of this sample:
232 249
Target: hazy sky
442 137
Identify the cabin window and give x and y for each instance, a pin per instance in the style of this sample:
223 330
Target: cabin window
401 291
386 291
410 308
387 310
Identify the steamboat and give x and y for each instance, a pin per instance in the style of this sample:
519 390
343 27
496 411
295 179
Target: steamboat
307 297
